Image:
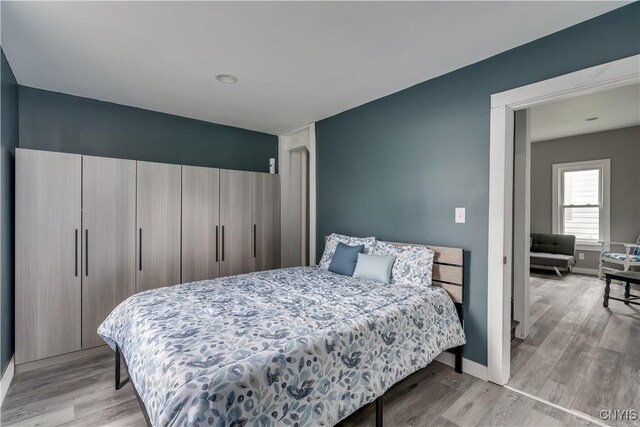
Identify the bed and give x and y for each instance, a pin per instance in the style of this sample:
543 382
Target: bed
295 346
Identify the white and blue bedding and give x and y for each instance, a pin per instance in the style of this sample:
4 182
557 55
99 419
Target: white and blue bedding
297 346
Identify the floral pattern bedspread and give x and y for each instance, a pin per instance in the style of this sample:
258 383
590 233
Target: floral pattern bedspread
297 346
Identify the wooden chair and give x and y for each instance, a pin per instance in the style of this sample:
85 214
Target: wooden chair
630 257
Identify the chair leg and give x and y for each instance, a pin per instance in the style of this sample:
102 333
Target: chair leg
557 272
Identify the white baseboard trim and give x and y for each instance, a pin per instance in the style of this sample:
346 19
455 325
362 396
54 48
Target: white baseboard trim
590 271
6 379
468 366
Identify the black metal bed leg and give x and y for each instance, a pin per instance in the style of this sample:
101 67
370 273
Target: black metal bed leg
117 368
457 352
379 412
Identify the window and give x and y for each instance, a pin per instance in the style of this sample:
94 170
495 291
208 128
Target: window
581 201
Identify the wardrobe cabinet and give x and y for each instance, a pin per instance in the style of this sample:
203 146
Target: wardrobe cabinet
92 231
235 222
200 223
158 225
108 240
265 212
47 251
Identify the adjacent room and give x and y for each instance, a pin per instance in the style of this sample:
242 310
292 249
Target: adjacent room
578 350
320 213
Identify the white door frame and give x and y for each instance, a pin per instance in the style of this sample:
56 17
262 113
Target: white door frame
299 139
606 76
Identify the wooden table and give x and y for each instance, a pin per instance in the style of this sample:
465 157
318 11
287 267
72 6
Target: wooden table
627 277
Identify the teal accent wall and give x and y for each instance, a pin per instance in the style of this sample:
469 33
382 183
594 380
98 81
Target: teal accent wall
43 120
58 122
410 158
8 143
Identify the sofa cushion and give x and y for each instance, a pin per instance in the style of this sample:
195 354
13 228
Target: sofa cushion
553 243
552 260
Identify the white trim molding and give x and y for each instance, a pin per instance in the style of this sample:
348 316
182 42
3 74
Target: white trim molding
6 379
301 140
468 366
601 77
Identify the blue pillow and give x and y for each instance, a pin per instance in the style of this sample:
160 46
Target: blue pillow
345 258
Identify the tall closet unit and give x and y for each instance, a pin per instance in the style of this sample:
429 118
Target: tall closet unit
200 223
47 250
230 222
108 240
158 225
265 219
91 231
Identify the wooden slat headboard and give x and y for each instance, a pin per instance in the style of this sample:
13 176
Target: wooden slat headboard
447 268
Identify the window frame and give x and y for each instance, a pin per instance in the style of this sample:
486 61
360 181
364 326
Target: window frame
604 165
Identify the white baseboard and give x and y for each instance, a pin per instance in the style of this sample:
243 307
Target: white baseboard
590 271
6 379
468 366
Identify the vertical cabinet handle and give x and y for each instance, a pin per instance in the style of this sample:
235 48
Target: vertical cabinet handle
76 258
86 252
223 243
254 241
217 243
140 249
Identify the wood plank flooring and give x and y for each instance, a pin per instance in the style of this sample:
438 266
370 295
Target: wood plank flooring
580 355
81 393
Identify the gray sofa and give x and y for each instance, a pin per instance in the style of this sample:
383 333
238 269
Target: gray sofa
553 251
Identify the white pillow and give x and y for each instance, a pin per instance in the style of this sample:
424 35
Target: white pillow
333 240
413 265
374 267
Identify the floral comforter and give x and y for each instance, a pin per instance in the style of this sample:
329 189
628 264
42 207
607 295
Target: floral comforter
296 346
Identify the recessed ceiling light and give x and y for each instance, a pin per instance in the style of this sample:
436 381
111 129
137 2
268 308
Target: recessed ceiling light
590 119
226 79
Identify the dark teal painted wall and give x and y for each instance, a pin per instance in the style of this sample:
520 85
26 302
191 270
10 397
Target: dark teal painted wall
57 122
397 167
43 120
8 143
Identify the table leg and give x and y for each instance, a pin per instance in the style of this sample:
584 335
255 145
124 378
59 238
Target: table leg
607 289
627 292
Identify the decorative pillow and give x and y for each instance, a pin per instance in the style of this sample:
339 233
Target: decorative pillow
344 259
374 267
413 265
334 239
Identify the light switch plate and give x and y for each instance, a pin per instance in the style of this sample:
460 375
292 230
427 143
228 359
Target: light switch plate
580 255
460 215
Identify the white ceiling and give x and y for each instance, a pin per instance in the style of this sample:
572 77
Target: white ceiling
614 108
296 62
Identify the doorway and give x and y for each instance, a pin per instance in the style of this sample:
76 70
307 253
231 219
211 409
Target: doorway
500 242
297 185
575 167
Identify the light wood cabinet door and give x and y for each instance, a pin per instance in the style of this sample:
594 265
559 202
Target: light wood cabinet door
265 211
108 240
48 286
235 222
200 223
158 225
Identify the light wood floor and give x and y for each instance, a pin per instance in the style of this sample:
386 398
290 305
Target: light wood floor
81 393
580 355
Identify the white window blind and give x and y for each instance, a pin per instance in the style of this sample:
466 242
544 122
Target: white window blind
581 204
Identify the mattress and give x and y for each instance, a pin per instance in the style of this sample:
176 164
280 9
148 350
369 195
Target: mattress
295 346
